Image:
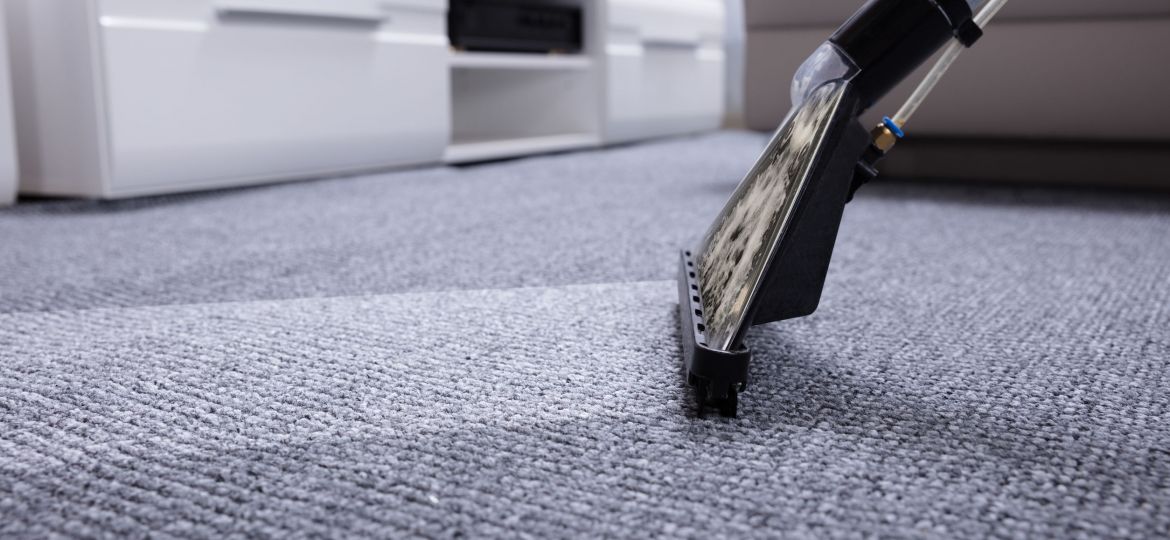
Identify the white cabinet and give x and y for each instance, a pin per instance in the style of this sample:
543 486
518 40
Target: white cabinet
119 98
7 135
663 67
130 97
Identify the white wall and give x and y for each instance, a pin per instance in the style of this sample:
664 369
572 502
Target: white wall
736 39
7 137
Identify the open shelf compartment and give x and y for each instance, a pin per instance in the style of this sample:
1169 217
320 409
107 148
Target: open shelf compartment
505 111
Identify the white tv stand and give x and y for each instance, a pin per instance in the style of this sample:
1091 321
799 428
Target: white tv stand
119 98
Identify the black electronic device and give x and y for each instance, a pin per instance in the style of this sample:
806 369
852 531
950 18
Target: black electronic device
514 26
765 257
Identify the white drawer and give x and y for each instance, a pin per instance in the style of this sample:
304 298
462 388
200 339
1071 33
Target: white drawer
203 93
664 67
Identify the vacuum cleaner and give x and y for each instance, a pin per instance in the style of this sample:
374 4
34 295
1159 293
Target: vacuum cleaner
765 257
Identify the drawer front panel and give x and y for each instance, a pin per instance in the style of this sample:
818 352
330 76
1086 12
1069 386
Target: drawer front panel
227 91
664 64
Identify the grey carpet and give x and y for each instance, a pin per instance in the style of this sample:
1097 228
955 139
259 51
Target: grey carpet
500 359
574 218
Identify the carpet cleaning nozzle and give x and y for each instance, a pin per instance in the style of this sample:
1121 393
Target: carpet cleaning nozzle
765 257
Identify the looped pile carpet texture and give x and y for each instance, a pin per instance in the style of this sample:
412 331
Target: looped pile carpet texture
491 351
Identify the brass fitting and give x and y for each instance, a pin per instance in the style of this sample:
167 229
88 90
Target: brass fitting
883 138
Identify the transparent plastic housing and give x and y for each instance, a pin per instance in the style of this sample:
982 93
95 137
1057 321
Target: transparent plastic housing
826 64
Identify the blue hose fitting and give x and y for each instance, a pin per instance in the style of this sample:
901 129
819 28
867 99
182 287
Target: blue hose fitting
893 127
